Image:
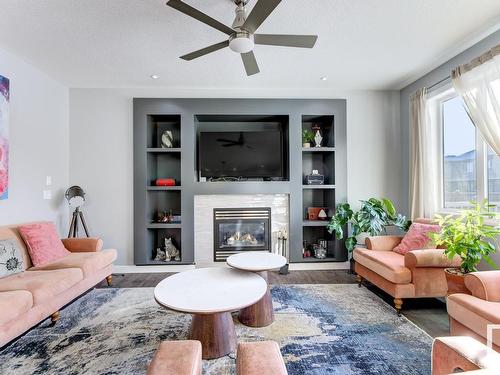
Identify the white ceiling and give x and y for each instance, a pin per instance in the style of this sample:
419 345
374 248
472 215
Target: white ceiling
363 44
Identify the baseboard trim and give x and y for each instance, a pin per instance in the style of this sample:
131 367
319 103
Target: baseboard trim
319 266
152 269
180 268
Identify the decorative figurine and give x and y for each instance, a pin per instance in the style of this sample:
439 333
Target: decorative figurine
318 139
171 250
322 215
167 139
317 136
161 255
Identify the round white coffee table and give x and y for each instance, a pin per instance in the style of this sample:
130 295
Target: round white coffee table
259 314
211 294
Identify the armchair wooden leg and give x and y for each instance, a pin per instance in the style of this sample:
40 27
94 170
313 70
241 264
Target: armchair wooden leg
398 303
359 279
109 280
54 318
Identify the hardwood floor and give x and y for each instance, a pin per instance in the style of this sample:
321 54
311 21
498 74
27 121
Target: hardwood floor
427 313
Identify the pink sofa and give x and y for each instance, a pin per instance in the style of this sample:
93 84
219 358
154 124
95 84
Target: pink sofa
29 297
471 314
419 273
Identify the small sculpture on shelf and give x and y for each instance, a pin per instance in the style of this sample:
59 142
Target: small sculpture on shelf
171 250
167 139
318 138
164 217
161 255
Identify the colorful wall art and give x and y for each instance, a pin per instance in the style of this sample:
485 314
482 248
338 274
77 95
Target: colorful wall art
4 137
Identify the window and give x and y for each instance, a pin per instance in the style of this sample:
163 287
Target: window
470 169
494 178
459 155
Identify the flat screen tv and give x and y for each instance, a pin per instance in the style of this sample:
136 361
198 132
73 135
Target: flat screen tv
245 154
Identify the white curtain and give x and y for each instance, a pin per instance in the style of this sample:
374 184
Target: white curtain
424 168
478 83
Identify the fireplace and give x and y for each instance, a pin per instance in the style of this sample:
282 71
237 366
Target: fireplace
241 229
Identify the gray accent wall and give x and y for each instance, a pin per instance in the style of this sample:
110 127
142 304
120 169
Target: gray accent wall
189 108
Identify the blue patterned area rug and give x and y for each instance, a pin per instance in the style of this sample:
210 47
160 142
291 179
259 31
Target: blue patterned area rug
321 329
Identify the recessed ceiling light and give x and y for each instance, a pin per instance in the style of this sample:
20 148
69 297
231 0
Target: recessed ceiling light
154 76
324 78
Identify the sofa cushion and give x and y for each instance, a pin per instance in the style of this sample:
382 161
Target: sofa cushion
43 242
11 259
417 238
13 304
89 263
388 264
42 284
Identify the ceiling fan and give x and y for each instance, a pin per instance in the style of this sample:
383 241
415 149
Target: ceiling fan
242 37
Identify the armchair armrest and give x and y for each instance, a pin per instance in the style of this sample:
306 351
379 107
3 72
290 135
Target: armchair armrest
82 245
484 285
382 243
430 258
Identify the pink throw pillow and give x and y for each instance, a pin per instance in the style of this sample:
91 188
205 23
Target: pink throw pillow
417 238
43 243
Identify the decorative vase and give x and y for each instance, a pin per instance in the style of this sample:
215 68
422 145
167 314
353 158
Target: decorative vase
167 139
456 281
318 139
306 145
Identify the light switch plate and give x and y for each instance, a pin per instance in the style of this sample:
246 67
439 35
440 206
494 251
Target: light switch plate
47 194
48 180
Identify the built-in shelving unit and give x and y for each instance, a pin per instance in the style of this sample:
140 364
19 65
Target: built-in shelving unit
186 118
161 162
321 159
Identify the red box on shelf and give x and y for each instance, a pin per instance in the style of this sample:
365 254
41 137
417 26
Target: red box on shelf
165 182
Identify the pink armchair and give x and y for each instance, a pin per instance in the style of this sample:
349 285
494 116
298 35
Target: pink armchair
419 273
471 314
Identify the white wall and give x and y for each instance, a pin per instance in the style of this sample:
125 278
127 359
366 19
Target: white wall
39 135
101 149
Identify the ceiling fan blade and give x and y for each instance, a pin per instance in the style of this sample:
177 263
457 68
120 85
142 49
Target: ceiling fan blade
259 13
250 63
205 51
301 41
200 16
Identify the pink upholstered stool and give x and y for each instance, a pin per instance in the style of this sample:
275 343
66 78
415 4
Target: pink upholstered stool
462 353
177 358
259 358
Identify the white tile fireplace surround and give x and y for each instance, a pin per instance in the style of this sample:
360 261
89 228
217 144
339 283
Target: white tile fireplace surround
204 222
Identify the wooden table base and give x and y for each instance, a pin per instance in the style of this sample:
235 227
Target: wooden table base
216 334
260 314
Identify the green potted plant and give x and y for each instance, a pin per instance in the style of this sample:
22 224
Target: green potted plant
307 138
373 218
472 236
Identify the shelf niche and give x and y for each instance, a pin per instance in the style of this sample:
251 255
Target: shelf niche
156 239
157 124
163 201
318 198
326 123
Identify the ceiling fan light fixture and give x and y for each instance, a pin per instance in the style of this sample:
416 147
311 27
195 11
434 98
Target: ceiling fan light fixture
241 43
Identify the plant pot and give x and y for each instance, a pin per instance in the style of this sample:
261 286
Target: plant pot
456 281
360 238
306 145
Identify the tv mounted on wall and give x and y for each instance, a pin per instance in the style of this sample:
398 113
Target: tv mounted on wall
241 154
